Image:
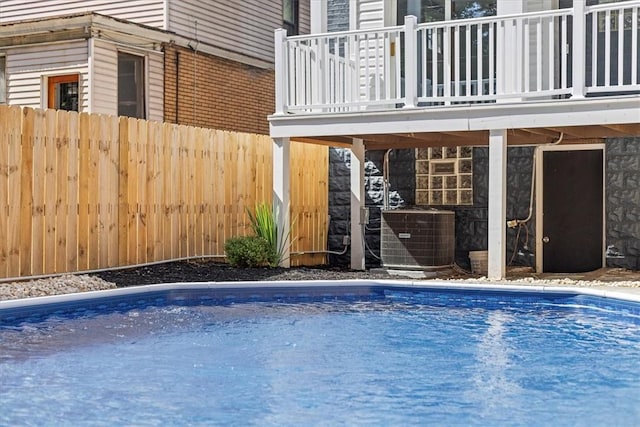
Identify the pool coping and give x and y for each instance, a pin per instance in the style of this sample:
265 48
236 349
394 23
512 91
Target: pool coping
626 294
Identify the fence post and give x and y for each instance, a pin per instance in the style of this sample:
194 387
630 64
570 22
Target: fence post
410 61
280 71
578 81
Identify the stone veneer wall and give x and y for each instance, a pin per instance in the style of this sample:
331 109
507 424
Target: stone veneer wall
622 204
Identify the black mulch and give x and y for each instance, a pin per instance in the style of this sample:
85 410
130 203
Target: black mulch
207 271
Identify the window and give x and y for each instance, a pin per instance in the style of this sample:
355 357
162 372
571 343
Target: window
3 80
444 176
131 91
290 17
63 92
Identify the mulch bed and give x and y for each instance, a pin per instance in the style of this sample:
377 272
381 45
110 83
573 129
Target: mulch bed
208 271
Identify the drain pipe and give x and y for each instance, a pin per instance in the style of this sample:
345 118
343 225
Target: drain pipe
515 222
385 180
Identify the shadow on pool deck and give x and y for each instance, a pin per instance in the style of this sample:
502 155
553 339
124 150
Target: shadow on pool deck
601 274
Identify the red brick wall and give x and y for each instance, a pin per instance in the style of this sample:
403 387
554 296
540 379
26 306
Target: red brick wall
215 92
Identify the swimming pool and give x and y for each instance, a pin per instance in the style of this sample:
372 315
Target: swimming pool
363 353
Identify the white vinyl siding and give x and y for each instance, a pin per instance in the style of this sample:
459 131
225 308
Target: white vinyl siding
28 66
105 80
242 27
369 14
147 12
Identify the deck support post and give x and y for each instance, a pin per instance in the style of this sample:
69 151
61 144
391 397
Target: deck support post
497 204
281 195
357 205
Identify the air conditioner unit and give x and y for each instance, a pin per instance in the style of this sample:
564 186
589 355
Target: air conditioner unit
417 239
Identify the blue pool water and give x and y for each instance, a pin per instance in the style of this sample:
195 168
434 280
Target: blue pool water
392 358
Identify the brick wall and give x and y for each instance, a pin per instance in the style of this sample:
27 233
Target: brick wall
214 92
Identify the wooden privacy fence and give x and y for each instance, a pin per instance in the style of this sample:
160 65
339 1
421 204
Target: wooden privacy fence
84 191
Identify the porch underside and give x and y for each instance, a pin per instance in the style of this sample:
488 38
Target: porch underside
578 122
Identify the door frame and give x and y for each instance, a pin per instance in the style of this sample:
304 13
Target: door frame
538 164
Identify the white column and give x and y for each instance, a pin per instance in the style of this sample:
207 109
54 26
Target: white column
281 195
357 205
497 203
318 16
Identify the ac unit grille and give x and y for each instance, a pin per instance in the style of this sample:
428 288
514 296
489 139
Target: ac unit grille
417 239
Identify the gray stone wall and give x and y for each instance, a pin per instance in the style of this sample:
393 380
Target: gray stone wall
402 193
471 227
622 204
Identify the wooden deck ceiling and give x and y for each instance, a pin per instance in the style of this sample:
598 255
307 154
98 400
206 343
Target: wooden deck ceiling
588 134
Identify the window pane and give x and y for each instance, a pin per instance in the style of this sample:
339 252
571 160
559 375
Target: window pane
67 96
131 86
290 16
3 83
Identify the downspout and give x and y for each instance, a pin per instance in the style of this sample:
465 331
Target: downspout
385 180
177 86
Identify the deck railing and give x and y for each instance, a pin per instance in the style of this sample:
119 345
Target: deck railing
575 52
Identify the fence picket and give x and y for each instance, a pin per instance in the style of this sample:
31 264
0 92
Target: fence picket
62 190
4 188
50 186
14 192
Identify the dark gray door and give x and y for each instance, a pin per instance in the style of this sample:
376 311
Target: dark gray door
572 211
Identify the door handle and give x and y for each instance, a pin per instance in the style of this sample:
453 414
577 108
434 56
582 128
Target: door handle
545 239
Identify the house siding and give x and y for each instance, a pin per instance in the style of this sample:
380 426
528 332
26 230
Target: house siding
247 29
369 14
209 91
26 67
147 12
105 78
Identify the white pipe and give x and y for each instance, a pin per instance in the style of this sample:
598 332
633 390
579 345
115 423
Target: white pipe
533 178
385 180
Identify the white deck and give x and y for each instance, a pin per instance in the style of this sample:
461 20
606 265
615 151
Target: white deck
535 70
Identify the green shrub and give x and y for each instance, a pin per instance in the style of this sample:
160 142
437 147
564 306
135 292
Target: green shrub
264 222
248 251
